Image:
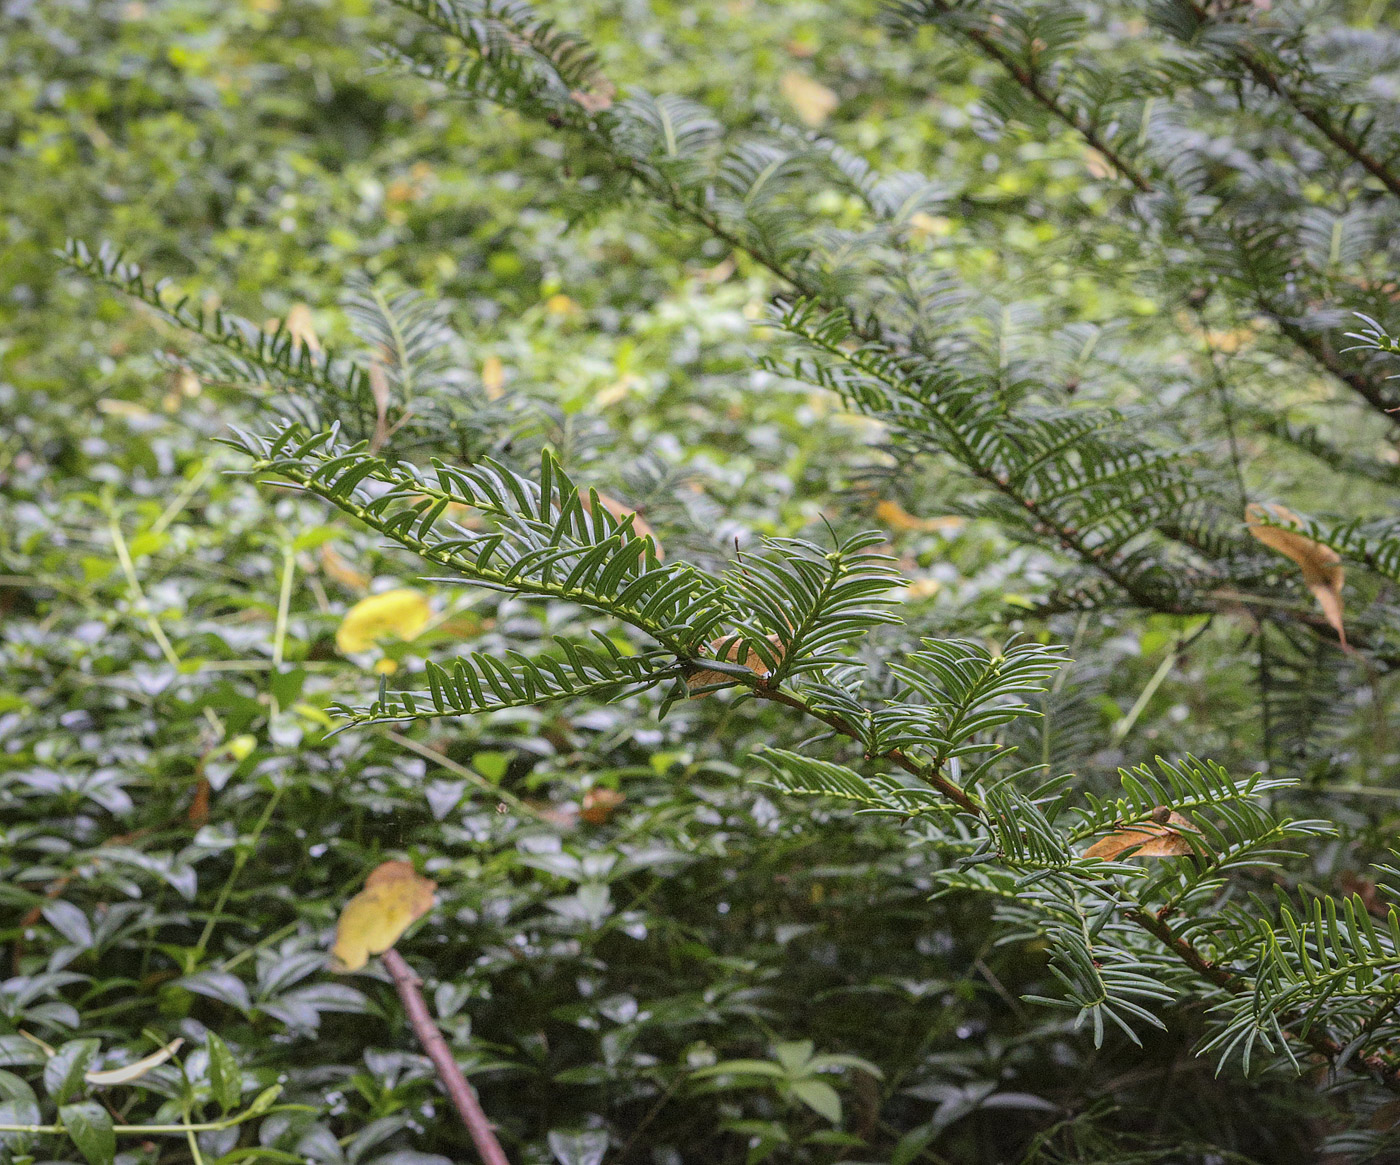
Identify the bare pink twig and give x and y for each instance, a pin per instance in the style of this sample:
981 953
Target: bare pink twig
462 1094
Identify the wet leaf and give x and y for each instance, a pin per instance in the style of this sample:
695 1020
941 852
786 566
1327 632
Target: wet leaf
1321 565
394 897
225 1077
91 1130
585 1148
63 1074
819 1096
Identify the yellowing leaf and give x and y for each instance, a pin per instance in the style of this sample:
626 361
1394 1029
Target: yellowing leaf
640 527
730 648
302 328
812 101
1321 565
394 898
136 1069
400 614
1147 839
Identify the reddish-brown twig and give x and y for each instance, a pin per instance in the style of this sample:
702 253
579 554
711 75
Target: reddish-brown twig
462 1094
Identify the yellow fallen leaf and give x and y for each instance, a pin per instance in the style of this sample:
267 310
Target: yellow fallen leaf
730 648
493 377
1158 838
640 526
896 517
302 328
400 614
394 898
1321 565
812 101
137 1068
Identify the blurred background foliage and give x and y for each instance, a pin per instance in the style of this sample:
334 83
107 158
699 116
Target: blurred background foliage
177 828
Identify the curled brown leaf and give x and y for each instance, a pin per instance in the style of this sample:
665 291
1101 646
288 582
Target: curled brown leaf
1162 836
1321 565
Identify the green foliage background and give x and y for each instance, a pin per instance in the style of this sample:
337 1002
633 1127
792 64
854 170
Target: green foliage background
584 973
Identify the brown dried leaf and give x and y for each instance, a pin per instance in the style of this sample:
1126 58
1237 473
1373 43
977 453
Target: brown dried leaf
393 899
1321 565
896 517
335 565
302 328
621 513
599 804
379 388
730 648
1146 839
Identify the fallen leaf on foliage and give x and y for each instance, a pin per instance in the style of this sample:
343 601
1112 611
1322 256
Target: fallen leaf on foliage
137 1068
812 101
732 647
1321 565
896 517
598 805
1147 839
394 898
400 613
301 327
640 526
